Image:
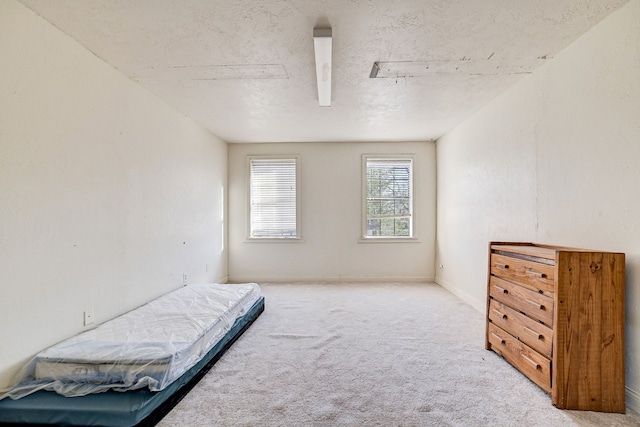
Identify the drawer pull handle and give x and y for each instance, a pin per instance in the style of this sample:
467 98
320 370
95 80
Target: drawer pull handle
501 265
537 305
499 313
532 362
503 290
536 273
499 338
534 333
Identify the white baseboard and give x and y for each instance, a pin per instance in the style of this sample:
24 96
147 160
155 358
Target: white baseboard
333 279
633 401
480 305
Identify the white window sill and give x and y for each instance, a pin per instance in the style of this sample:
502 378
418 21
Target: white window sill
389 240
274 240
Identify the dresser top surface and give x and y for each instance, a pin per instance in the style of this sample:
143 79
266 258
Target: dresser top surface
537 250
529 249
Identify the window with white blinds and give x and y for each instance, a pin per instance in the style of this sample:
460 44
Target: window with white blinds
388 190
273 198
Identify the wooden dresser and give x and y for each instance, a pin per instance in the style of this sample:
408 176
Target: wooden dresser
557 315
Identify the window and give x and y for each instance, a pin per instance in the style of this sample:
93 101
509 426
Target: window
273 198
388 197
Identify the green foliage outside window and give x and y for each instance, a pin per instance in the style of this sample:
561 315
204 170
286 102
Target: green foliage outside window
389 203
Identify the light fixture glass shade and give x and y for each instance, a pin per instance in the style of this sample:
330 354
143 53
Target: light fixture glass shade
322 41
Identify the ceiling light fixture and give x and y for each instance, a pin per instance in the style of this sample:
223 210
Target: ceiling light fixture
322 45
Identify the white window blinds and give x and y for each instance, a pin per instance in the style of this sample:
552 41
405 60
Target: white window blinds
273 198
389 197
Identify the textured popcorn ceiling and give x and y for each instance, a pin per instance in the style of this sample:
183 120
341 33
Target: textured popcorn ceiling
245 69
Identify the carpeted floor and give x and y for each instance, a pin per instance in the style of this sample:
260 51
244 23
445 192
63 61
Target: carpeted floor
369 355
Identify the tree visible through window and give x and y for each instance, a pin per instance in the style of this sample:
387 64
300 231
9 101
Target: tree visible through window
389 204
273 198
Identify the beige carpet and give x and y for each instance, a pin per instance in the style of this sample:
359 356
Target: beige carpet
369 355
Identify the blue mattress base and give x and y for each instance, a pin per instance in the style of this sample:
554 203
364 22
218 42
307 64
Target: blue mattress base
119 409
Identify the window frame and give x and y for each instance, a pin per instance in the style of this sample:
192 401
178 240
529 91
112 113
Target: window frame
364 238
298 236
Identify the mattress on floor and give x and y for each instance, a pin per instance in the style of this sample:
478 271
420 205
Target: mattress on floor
119 409
149 347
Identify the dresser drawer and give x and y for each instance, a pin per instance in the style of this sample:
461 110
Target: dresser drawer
525 329
533 275
533 304
526 360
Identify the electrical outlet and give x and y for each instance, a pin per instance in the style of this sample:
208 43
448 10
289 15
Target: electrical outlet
184 279
88 317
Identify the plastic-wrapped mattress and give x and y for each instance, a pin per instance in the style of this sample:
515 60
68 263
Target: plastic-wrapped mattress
149 347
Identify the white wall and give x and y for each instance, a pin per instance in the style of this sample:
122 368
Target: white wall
330 183
553 160
107 195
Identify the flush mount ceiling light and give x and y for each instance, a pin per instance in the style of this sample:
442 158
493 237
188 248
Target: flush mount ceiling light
322 45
